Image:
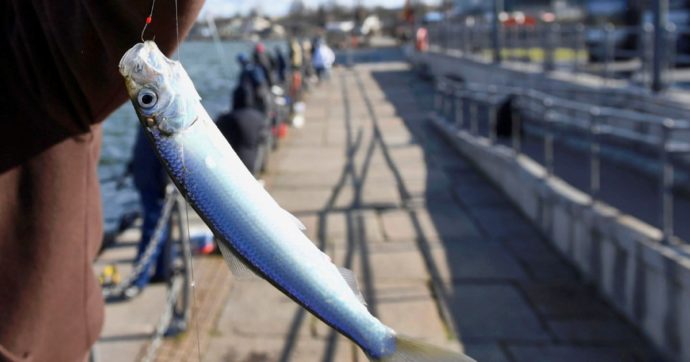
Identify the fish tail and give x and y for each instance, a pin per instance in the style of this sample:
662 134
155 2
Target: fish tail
408 350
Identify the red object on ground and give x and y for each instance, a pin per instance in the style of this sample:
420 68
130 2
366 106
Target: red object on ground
282 130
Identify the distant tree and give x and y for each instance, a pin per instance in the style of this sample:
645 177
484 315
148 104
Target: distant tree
297 7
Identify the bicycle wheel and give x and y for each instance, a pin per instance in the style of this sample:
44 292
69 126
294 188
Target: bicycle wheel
180 283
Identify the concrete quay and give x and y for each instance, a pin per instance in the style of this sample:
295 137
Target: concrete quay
442 254
616 250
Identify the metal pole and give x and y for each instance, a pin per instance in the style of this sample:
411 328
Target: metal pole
548 138
608 51
459 109
666 184
549 30
594 165
496 29
660 9
515 132
465 39
579 45
647 53
438 101
474 115
448 103
492 108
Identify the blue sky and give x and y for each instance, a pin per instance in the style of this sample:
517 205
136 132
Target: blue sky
280 7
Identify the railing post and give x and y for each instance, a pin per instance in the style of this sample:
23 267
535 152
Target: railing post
474 121
448 103
579 45
647 51
438 97
515 132
660 10
548 139
496 30
459 109
666 183
466 39
549 45
670 64
608 51
594 150
492 119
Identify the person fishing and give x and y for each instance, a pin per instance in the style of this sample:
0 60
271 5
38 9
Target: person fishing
248 131
255 86
322 59
263 62
60 65
280 65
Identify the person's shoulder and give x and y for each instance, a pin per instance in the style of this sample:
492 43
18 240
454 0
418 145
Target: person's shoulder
225 118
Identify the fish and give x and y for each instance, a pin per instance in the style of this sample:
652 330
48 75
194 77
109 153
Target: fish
252 229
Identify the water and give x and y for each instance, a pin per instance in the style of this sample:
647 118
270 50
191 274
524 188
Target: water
214 74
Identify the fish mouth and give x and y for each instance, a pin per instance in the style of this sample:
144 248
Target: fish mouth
145 63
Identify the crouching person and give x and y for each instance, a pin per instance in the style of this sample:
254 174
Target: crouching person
248 132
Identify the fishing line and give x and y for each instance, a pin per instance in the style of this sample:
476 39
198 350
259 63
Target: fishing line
195 307
177 33
149 19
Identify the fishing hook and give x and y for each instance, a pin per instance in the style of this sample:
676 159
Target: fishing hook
148 21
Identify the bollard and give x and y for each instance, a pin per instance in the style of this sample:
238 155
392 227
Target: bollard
666 183
548 138
594 150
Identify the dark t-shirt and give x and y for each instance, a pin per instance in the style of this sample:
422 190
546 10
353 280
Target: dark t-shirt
59 74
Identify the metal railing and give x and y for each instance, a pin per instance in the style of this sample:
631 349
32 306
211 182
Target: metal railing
663 141
608 51
172 226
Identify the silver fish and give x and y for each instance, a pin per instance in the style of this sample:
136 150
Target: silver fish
250 225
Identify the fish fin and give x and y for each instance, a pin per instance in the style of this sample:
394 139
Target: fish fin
409 350
239 269
351 280
295 220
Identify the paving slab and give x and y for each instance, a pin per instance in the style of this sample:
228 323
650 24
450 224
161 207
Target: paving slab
494 312
566 301
570 353
503 222
476 260
486 352
509 296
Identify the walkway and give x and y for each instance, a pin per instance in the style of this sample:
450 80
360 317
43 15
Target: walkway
440 253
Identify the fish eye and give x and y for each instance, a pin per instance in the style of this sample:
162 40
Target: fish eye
147 98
